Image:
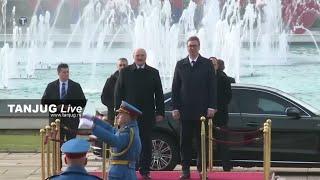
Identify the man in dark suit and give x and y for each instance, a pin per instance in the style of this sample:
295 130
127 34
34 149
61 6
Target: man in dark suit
140 85
193 96
64 92
221 117
107 96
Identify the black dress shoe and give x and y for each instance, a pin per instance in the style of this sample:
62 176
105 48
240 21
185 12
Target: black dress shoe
185 176
146 176
227 168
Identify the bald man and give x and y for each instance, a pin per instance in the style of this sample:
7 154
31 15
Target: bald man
140 85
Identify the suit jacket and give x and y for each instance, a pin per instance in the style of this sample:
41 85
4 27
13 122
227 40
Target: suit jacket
194 88
224 91
74 95
107 96
142 88
224 98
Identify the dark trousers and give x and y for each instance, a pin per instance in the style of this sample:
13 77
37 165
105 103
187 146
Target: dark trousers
72 125
223 149
190 130
65 135
145 129
221 120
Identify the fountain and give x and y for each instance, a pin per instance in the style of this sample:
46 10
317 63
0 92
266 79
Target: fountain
245 34
4 66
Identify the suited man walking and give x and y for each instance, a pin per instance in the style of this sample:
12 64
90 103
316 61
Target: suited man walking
193 96
140 85
63 92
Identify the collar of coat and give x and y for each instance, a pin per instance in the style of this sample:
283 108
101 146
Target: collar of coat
186 60
134 67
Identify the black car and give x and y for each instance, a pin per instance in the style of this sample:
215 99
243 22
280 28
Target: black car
295 130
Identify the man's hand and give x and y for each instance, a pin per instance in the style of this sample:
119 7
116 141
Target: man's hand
211 112
159 118
176 114
93 137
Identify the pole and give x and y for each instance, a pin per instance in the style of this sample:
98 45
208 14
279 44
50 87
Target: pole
54 151
43 171
104 145
210 149
269 147
58 156
48 133
265 150
203 149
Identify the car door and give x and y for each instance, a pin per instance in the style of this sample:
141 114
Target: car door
293 139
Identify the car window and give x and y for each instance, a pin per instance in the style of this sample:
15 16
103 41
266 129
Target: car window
261 102
269 106
234 103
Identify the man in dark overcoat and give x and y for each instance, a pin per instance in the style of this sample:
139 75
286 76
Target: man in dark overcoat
139 84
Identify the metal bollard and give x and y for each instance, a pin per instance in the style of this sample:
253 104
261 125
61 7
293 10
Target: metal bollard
48 133
268 163
210 144
266 151
42 136
269 139
104 149
58 152
203 149
54 151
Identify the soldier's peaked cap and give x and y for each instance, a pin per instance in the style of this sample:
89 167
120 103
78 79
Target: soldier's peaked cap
129 109
75 148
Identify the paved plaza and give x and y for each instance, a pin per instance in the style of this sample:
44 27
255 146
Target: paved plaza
19 166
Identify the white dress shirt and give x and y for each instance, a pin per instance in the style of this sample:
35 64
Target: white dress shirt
194 60
142 67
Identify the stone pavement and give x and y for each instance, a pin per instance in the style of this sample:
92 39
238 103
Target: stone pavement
20 166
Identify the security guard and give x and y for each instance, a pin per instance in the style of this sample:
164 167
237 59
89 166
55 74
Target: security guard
75 157
125 142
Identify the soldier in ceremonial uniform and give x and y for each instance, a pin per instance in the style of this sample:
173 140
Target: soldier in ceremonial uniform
125 142
75 157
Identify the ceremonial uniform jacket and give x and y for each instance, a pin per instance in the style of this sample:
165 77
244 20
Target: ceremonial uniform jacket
125 147
74 173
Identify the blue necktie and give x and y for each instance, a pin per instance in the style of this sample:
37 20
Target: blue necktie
63 90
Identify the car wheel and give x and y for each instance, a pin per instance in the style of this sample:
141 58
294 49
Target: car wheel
165 153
